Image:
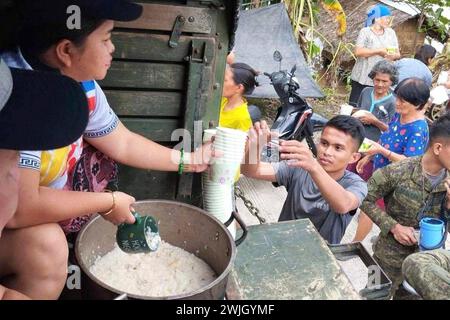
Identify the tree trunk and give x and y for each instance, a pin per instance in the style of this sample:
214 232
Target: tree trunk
419 26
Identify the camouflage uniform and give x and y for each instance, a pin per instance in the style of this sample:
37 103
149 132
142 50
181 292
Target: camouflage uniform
405 191
428 272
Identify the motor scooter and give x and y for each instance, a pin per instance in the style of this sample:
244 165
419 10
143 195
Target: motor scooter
293 120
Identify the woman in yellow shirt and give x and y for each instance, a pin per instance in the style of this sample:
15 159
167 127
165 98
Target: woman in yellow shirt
240 80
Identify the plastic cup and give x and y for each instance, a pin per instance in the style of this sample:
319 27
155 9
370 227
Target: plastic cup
229 153
229 158
229 142
443 78
229 145
365 146
225 172
221 212
432 231
391 50
214 197
236 134
217 201
346 109
230 132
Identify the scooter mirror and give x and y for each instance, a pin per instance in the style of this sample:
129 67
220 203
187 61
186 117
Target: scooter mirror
294 68
277 56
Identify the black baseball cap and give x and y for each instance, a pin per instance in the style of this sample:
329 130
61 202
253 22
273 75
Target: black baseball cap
49 12
40 110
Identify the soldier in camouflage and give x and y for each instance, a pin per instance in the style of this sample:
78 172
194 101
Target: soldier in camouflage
428 272
409 187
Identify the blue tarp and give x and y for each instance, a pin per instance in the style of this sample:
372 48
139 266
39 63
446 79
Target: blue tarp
262 31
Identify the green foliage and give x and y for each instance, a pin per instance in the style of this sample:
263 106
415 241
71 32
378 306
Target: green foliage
313 49
433 11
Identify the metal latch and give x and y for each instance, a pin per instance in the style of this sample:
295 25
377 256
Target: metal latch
176 31
198 52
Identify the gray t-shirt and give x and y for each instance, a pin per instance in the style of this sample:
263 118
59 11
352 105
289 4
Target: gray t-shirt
435 180
383 110
409 67
304 200
368 39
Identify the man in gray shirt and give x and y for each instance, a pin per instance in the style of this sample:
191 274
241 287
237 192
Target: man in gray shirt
319 189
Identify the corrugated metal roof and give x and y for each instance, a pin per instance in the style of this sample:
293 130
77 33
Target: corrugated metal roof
402 6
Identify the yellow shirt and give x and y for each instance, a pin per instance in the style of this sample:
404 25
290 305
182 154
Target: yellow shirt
237 118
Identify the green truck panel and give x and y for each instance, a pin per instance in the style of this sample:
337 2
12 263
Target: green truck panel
167 73
287 260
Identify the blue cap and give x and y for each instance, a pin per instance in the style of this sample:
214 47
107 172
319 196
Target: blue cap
384 11
377 12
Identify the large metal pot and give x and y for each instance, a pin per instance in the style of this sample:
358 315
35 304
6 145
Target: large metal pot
182 225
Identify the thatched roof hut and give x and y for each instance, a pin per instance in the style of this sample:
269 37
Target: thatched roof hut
404 24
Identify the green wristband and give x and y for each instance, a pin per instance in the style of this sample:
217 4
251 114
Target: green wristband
181 165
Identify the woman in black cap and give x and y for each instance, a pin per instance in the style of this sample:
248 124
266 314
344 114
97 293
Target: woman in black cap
51 180
33 260
85 55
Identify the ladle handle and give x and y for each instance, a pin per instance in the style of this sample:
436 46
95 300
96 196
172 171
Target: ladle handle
235 215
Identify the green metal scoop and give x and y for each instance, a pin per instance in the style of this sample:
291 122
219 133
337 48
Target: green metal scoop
139 237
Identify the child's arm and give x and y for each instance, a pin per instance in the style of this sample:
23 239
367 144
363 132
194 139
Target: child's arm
38 205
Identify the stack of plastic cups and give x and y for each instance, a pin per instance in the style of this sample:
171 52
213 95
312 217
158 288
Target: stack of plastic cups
217 201
217 197
231 143
218 184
